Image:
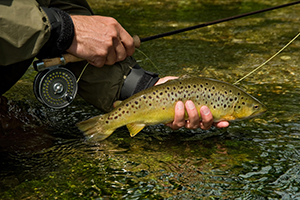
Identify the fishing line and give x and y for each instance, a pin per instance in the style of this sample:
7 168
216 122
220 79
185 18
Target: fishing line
267 60
148 59
82 72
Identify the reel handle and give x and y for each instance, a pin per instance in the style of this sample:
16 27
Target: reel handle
67 58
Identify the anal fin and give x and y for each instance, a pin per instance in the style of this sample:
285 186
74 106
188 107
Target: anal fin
135 128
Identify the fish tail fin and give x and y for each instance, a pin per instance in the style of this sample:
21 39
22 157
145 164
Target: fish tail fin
94 128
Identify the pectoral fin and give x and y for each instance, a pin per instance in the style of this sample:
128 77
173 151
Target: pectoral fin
116 103
228 117
135 128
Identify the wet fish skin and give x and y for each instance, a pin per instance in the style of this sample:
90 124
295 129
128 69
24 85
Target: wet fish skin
157 105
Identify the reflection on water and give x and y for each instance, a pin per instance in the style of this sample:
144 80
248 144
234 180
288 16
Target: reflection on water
44 156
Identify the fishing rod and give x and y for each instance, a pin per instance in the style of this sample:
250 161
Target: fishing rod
56 86
66 58
216 22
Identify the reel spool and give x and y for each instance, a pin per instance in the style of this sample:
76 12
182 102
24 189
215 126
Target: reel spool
55 87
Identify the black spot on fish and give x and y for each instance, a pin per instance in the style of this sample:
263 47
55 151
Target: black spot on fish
243 103
208 96
206 83
144 97
154 93
161 93
189 86
201 86
168 88
150 104
116 117
235 98
107 122
119 109
136 102
238 93
174 88
225 92
225 105
194 86
213 87
150 97
230 99
127 104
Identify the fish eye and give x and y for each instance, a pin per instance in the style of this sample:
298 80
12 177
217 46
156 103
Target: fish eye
255 107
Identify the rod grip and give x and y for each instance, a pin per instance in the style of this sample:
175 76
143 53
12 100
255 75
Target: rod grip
67 58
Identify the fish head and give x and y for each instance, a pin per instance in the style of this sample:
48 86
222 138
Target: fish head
248 107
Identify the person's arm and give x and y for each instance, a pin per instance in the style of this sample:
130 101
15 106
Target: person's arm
24 30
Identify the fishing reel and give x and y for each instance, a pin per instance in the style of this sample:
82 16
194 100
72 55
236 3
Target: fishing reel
54 86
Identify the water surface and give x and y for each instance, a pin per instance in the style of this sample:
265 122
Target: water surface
44 156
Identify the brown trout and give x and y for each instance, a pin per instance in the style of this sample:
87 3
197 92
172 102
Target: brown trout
157 105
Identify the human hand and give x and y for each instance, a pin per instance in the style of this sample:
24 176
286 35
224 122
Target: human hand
100 40
193 121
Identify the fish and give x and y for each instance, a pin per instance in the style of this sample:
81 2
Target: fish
156 105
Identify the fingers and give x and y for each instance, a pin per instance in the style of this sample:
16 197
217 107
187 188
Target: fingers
165 79
100 40
193 121
221 124
179 120
207 118
127 42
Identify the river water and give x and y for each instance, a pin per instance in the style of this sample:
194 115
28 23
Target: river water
44 156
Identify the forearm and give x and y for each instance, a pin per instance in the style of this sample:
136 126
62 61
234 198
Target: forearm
26 28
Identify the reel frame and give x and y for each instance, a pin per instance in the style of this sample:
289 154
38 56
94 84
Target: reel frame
55 86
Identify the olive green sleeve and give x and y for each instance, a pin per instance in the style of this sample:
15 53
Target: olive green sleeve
24 30
73 7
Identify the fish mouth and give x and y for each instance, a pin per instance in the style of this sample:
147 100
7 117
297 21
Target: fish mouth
256 114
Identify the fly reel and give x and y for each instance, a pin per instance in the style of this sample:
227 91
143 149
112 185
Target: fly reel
55 86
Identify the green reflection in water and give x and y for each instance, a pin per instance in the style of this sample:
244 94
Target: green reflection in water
257 158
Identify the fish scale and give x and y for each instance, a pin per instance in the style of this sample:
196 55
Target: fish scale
157 105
